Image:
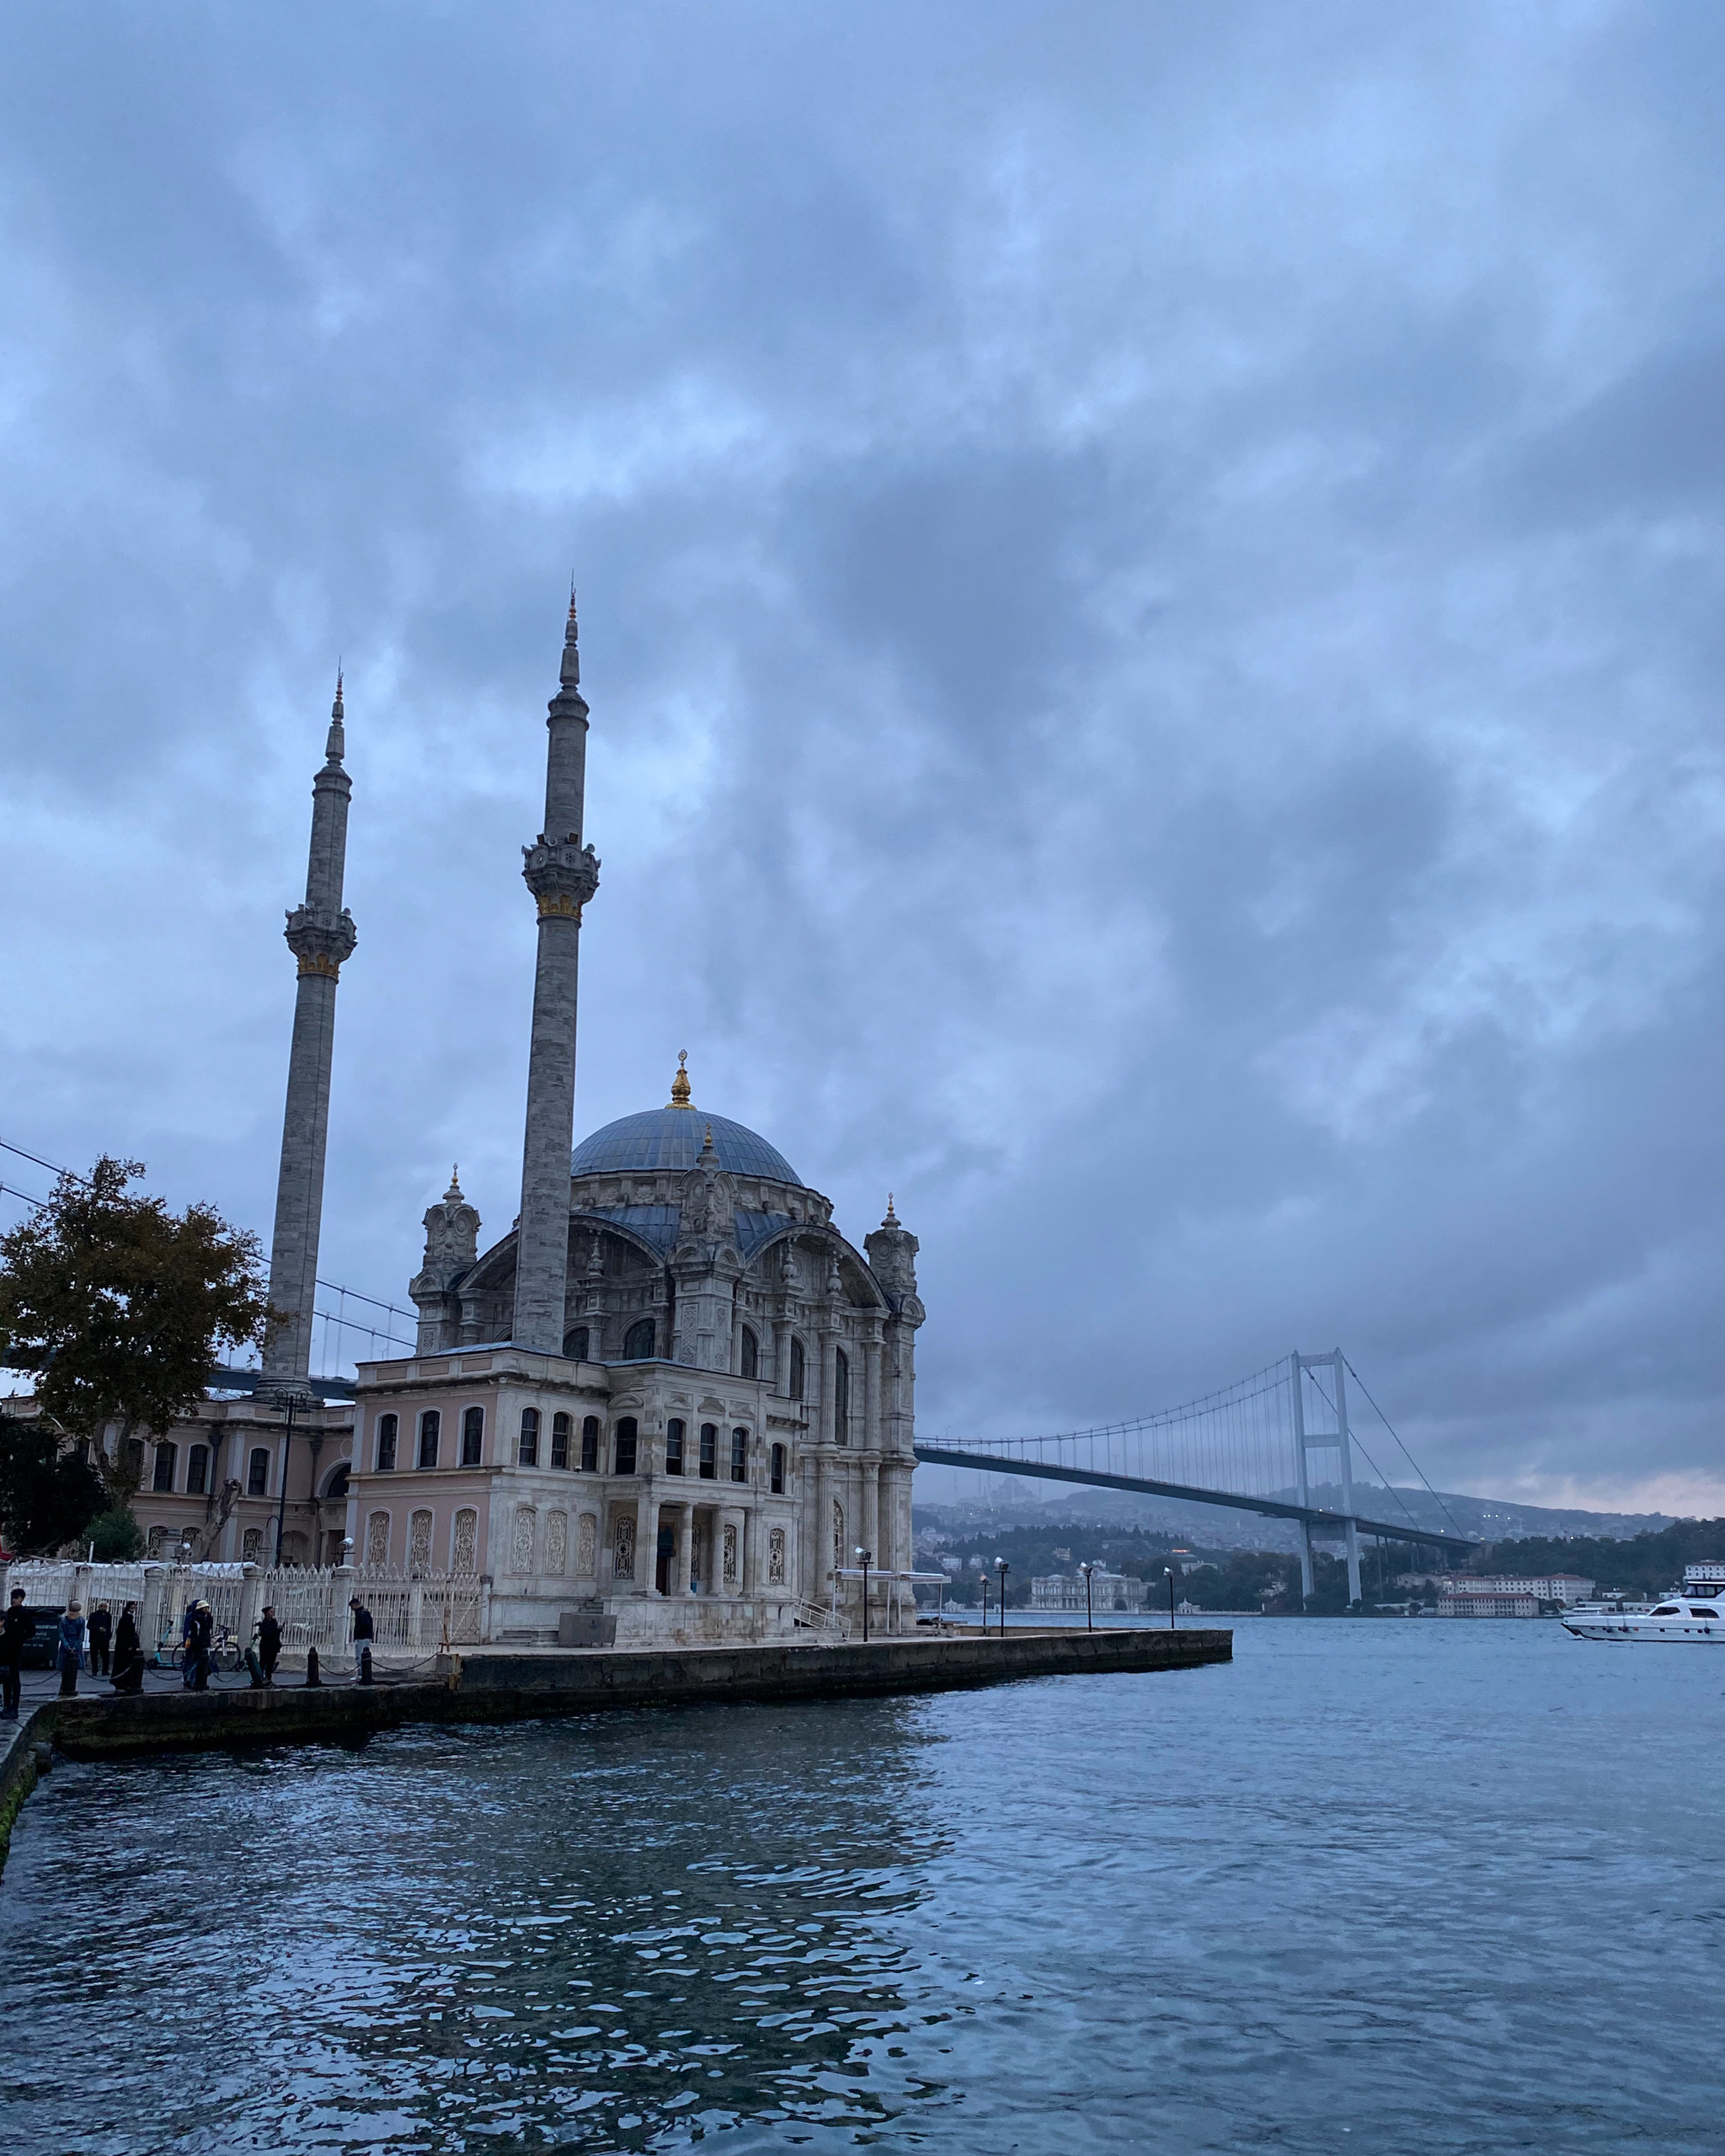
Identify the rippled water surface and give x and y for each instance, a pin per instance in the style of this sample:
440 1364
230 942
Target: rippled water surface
1374 1886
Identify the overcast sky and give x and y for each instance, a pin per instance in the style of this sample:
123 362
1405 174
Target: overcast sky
1150 590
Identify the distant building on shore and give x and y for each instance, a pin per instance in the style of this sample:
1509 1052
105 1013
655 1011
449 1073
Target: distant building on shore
1108 1591
1461 1595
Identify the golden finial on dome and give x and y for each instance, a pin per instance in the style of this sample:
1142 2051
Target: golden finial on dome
679 1087
455 1182
892 1218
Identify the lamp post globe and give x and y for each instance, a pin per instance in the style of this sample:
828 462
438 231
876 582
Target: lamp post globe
864 1558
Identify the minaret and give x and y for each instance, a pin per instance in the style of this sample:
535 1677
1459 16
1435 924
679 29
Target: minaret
563 874
320 934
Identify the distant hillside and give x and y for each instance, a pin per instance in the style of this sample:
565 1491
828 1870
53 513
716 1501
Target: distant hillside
1215 1526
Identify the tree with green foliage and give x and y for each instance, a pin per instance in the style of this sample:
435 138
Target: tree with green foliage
114 1535
48 1496
119 1306
1640 1567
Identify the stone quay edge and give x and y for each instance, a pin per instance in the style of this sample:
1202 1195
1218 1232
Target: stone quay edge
493 1686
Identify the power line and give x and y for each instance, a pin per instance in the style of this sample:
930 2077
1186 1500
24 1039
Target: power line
41 1204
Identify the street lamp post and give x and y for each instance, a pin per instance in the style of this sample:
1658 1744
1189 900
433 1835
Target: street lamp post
1002 1566
1089 1621
865 1558
984 1599
1169 1569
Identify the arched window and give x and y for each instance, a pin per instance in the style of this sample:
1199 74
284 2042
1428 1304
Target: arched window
623 1451
841 1397
197 1470
529 1454
638 1341
336 1491
709 1451
778 1470
165 1454
257 1473
750 1355
559 1440
430 1427
739 1456
674 1432
574 1345
474 1436
796 1369
589 1444
387 1427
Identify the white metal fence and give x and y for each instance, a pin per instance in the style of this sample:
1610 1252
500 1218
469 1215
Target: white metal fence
410 1616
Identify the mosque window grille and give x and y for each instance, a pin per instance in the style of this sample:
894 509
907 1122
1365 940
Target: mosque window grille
251 1546
750 1354
165 1457
378 1539
777 1458
388 1426
841 1397
675 1433
575 1344
639 1341
560 1441
624 1446
527 1452
430 1430
472 1436
739 1456
799 1368
709 1452
589 1444
197 1470
775 1558
257 1473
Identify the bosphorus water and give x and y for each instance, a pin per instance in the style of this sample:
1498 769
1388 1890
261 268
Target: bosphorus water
1375 1886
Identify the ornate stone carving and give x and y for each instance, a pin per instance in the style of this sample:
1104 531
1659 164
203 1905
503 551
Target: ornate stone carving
251 1546
466 1557
452 1237
623 1560
321 941
520 1547
378 1539
557 1542
838 1536
730 1553
587 1547
419 1543
775 1558
561 875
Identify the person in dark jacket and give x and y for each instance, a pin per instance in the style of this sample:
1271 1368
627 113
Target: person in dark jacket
128 1652
364 1633
269 1642
16 1627
101 1640
200 1630
70 1653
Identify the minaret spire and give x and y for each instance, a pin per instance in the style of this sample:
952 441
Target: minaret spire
563 873
321 934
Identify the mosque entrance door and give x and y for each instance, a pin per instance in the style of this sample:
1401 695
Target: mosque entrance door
667 1559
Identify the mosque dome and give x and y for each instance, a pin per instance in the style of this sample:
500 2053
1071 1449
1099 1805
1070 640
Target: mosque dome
672 1137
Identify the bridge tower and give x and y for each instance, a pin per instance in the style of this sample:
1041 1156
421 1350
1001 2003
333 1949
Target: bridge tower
1307 1441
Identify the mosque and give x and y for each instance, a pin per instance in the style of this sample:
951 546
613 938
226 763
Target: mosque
671 1404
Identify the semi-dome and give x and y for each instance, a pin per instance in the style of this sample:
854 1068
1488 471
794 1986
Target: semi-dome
672 1138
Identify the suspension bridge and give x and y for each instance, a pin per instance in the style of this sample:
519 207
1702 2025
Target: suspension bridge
1248 1448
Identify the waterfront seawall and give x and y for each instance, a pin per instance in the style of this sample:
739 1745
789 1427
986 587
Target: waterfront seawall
490 1685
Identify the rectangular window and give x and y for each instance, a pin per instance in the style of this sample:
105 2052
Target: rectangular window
387 1427
589 1444
135 1459
625 1450
164 1468
778 1470
529 1454
739 1456
559 1440
673 1447
709 1452
258 1474
197 1470
431 1427
472 1436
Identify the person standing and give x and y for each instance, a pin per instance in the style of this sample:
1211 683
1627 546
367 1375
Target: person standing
16 1627
71 1651
101 1640
128 1651
269 1642
364 1633
200 1626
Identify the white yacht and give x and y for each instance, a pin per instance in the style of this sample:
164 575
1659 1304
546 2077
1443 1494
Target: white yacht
1695 1611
